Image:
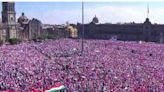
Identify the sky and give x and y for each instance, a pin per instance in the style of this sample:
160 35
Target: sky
107 12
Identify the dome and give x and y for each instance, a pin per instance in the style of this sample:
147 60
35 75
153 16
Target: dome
22 19
95 20
147 21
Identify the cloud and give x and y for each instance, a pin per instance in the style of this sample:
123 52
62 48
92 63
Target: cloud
114 14
110 14
61 17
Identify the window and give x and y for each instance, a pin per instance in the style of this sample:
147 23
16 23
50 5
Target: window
11 18
4 32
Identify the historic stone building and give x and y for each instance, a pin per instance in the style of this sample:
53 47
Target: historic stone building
35 28
55 31
9 26
29 29
23 29
128 31
72 31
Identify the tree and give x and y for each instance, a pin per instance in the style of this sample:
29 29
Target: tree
13 41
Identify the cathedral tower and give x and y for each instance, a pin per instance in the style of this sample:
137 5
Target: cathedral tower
9 19
8 13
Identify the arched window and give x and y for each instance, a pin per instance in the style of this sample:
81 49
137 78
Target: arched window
11 18
4 32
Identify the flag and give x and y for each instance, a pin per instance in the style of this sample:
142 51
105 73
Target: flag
56 88
148 11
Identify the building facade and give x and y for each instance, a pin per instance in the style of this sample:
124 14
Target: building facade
9 20
127 32
23 28
35 28
55 31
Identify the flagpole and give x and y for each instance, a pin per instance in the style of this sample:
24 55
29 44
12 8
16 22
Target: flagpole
82 49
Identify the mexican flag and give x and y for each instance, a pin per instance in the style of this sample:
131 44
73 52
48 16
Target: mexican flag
56 88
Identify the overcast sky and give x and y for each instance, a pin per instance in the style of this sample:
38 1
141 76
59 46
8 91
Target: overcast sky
107 12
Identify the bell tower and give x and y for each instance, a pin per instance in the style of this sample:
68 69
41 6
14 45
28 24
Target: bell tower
9 19
8 12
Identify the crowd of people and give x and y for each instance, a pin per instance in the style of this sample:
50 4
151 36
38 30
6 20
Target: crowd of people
104 66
